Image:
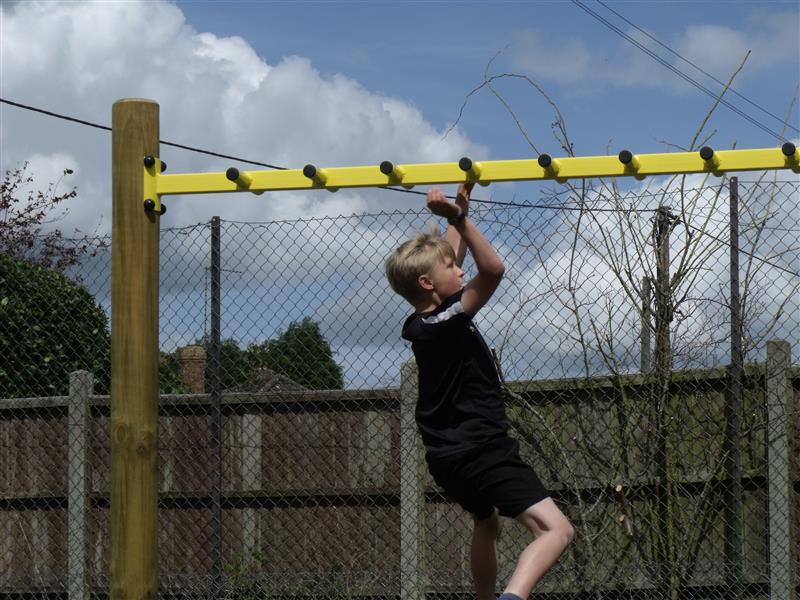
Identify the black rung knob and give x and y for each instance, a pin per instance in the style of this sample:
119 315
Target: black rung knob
465 164
163 166
387 167
149 205
163 209
149 161
788 149
310 171
625 157
544 160
706 152
232 174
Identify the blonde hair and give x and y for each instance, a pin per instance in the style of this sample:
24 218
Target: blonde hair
416 257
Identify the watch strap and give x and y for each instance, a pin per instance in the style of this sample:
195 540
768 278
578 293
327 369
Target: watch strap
456 220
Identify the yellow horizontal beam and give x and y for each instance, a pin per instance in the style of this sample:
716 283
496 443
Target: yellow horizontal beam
485 172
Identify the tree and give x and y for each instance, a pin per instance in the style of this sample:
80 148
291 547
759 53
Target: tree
22 216
304 355
618 268
169 375
51 326
301 353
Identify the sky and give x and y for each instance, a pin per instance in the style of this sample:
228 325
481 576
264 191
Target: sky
355 83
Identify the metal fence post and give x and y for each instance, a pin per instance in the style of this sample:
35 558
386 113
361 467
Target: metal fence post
733 411
216 414
412 492
779 410
81 386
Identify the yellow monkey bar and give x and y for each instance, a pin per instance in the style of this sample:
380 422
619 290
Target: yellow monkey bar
484 172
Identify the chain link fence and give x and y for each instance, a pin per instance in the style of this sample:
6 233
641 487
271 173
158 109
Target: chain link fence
289 464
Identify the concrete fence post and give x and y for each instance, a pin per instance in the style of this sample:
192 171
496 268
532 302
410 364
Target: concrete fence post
81 386
412 491
779 410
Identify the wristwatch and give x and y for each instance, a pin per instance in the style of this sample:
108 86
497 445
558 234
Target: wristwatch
457 220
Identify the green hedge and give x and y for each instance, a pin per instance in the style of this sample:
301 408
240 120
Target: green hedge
49 326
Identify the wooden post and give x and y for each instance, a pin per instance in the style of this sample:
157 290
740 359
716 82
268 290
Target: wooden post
134 355
662 364
663 293
779 427
412 492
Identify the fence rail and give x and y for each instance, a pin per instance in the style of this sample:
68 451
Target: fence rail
343 484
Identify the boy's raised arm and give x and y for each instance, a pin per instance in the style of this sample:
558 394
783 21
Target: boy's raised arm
490 268
452 235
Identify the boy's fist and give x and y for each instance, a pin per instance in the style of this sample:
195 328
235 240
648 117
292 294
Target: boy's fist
438 204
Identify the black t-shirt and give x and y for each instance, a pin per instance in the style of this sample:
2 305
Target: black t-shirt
460 403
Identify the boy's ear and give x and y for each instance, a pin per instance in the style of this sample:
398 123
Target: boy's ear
425 282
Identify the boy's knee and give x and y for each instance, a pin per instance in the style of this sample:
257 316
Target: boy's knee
567 532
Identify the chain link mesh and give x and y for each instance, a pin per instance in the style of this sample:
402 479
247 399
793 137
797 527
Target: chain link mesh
295 469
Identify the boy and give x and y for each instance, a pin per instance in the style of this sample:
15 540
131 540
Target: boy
460 412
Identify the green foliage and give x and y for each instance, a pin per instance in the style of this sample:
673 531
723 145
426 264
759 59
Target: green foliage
50 326
169 375
236 365
240 573
304 355
300 353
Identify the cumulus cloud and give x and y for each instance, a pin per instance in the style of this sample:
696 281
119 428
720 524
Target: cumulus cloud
214 92
539 55
217 93
563 298
716 48
720 49
51 168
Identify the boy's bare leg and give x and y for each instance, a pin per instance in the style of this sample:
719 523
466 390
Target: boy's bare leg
483 556
553 533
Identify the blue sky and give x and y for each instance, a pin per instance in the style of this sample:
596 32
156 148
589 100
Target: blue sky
433 53
345 83
352 83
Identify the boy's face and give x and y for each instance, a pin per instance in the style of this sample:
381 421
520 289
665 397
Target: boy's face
446 278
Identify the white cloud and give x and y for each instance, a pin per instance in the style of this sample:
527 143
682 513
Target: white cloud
217 93
771 38
59 171
51 168
564 61
717 49
214 92
560 287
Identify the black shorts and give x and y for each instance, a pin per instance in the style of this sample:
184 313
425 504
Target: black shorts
487 477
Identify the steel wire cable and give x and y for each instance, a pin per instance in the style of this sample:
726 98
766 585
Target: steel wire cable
681 74
216 154
512 204
706 73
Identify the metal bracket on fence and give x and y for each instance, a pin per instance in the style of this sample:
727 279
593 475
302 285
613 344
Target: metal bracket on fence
152 199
